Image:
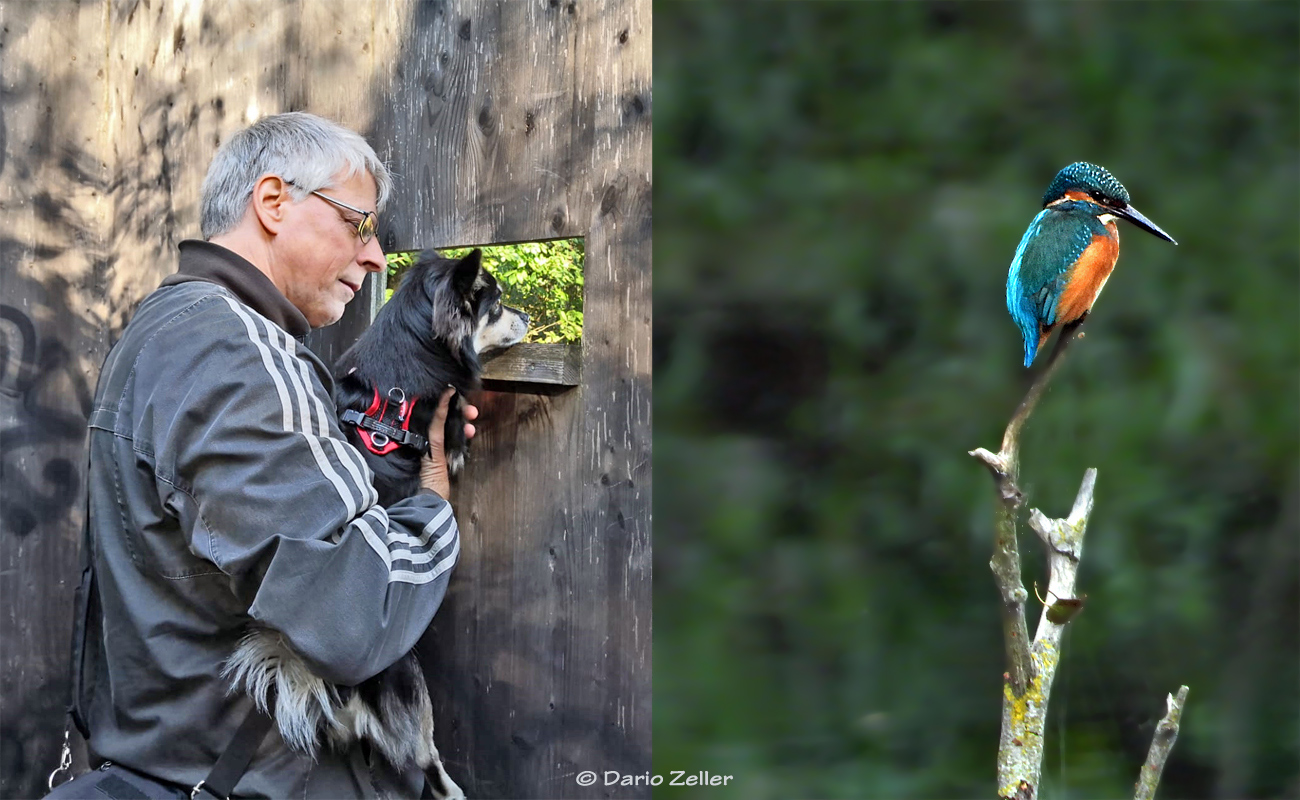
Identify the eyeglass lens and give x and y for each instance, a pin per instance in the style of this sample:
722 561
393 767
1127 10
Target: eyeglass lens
366 230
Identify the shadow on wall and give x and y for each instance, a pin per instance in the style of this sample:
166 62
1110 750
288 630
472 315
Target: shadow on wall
49 338
94 209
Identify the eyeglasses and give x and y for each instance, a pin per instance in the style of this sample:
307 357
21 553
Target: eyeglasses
365 228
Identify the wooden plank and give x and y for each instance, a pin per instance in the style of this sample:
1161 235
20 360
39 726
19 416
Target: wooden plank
498 648
539 660
614 493
53 183
497 644
330 50
481 126
423 126
532 362
520 149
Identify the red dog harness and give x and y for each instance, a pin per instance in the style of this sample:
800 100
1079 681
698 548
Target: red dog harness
380 437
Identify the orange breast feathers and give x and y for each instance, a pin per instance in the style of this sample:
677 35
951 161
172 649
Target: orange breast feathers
1088 276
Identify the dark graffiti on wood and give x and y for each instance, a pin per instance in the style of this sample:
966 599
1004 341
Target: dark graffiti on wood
37 420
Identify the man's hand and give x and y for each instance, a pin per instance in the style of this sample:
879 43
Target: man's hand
433 467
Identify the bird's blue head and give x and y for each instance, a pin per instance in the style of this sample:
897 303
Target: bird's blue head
1091 179
1097 190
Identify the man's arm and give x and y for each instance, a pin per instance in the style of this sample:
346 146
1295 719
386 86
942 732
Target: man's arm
250 458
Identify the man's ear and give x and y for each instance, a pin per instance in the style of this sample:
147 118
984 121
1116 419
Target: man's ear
270 202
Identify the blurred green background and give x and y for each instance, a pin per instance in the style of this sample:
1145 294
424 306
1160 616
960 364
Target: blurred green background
839 190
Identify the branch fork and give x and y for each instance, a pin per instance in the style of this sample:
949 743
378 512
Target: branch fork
1032 665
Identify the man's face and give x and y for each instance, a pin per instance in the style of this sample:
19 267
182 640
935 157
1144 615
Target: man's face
325 262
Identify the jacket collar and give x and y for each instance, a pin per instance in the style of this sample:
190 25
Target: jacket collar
205 261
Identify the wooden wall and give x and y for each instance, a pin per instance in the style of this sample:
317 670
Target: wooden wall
520 121
505 121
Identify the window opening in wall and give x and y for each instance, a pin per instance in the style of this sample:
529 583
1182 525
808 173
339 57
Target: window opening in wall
543 279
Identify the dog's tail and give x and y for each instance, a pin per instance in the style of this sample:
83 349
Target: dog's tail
264 663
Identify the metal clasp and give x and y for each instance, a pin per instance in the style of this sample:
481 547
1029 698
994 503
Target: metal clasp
198 787
397 395
65 761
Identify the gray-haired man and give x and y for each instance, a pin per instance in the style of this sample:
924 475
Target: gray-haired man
222 494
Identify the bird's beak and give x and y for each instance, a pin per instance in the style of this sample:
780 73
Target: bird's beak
1134 216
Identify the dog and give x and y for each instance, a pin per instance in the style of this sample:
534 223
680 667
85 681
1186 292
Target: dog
426 338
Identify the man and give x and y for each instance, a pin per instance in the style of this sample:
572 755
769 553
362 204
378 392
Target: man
224 496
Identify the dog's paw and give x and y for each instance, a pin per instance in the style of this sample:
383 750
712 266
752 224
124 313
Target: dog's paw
441 785
455 461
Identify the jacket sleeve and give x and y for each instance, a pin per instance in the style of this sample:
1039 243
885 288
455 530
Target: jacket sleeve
249 456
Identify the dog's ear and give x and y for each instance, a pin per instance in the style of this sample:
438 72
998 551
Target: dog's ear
465 273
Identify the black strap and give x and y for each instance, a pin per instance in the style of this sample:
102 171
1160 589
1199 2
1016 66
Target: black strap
365 779
233 763
85 608
396 434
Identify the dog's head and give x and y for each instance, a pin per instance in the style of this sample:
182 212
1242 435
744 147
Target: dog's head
466 304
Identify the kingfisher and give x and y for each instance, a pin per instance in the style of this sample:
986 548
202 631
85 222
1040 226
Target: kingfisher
1068 252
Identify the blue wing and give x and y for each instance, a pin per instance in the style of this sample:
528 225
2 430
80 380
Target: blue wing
1056 239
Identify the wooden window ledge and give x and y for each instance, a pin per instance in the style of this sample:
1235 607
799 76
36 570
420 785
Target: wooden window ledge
530 362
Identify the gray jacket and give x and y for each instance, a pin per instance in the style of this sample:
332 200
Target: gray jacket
223 495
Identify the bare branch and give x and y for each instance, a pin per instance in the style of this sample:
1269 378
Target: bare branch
1024 718
1004 467
1161 744
1011 437
1030 668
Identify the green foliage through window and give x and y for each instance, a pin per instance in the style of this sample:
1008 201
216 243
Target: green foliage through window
542 278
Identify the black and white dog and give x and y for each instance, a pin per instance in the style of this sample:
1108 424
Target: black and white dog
427 337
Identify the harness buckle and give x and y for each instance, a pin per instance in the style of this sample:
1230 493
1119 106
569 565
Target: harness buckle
382 438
